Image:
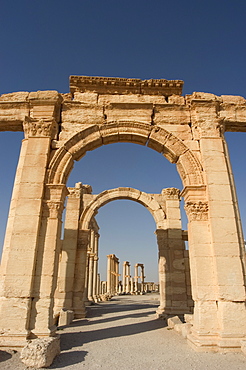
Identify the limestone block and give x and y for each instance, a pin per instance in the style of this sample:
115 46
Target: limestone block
202 96
15 97
243 346
106 99
178 328
138 112
183 132
185 329
134 132
233 99
82 113
65 317
227 227
176 99
157 140
40 352
166 114
205 316
227 312
110 134
172 321
178 264
86 97
12 115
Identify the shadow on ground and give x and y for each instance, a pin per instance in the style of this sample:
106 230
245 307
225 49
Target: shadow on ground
4 356
68 359
76 339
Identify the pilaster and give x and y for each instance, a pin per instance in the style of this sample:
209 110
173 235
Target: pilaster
23 230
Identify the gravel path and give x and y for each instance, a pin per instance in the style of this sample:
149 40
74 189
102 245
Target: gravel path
124 334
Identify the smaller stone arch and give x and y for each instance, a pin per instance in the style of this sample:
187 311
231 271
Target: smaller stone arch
147 200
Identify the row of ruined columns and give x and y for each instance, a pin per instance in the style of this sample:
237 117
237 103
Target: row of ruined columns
128 284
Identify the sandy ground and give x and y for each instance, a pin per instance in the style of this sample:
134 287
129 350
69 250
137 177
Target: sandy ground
124 334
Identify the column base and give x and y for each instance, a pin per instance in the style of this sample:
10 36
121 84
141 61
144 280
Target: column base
213 343
80 314
163 313
13 341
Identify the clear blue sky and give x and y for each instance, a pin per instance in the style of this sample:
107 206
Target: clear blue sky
200 42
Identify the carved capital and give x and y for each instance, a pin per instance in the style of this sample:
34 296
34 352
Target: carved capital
197 211
171 193
75 192
53 209
39 127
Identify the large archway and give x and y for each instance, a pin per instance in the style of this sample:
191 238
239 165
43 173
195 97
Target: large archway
157 138
80 248
187 131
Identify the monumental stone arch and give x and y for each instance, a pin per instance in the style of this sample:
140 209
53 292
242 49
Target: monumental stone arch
174 274
77 277
188 131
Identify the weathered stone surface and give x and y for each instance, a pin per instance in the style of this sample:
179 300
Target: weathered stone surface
40 353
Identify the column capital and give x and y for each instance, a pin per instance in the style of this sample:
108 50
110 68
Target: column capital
34 127
197 211
171 193
75 192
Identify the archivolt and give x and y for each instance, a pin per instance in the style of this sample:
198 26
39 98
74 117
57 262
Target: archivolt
147 200
155 137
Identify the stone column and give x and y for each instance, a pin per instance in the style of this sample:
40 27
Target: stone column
177 289
90 276
42 317
216 247
109 282
95 268
64 292
98 292
23 230
164 272
126 277
136 278
142 278
116 275
79 290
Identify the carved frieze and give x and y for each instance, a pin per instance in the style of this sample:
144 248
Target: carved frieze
197 211
171 193
114 85
39 127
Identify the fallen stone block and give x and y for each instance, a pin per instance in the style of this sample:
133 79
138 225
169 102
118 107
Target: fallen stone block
172 321
186 329
243 346
40 352
66 317
178 328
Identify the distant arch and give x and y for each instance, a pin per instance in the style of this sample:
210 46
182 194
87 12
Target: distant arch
154 137
147 200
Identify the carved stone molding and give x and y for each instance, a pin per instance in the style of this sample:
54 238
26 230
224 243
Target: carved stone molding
114 85
171 193
197 211
39 127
